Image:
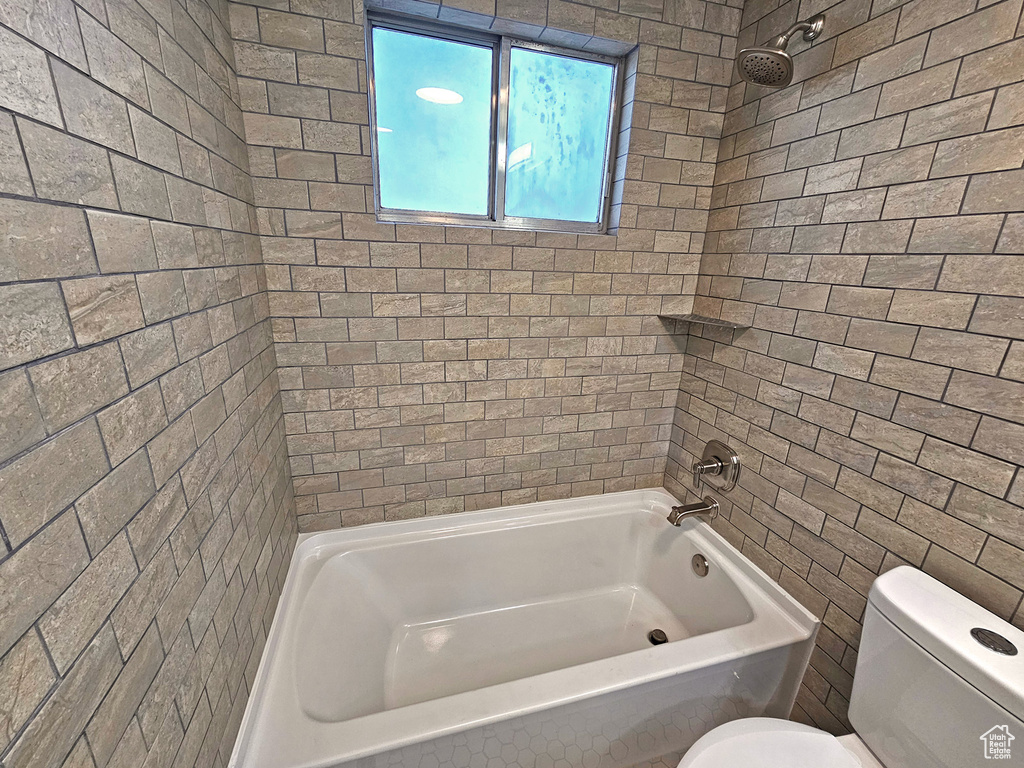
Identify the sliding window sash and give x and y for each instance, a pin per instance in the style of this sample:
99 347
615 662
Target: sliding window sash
502 48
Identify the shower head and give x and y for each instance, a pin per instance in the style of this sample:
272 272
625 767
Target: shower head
770 66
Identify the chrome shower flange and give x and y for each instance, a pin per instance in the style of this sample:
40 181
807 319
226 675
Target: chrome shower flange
817 23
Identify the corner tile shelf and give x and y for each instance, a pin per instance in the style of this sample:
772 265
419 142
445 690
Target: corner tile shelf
691 318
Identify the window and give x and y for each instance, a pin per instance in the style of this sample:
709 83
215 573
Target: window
473 129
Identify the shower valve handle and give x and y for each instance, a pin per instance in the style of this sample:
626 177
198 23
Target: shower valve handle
718 461
711 466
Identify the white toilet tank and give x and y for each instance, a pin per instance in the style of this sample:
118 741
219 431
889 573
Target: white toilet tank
926 693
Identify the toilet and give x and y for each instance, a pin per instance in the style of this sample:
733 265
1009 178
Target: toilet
939 684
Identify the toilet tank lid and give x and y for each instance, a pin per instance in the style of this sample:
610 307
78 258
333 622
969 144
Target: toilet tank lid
940 620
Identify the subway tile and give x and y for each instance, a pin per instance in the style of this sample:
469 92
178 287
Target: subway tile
998 316
25 679
43 241
995 516
923 485
891 62
858 205
971 581
990 68
123 243
798 510
27 87
113 63
980 153
923 15
36 322
37 574
102 307
162 295
290 101
76 615
895 538
982 29
932 308
867 38
999 438
858 107
67 169
910 376
52 26
994 192
878 336
91 111
947 119
966 466
961 234
57 726
927 198
833 177
958 537
156 143
141 189
877 237
21 424
1007 109
918 89
118 708
871 303
987 395
549 413
971 352
887 436
133 24
903 271
897 166
130 423
289 30
76 385
14 178
115 499
844 361
935 418
1003 560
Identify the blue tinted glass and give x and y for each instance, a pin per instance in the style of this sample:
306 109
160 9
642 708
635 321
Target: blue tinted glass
557 134
433 104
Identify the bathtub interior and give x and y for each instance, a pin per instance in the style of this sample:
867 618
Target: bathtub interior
392 623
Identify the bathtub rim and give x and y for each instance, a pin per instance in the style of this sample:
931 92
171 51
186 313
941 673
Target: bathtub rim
787 621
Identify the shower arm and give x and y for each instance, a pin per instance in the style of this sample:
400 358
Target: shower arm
811 29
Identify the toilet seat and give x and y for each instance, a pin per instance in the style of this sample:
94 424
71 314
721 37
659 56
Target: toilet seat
765 742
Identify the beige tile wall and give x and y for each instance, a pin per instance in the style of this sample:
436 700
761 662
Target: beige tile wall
146 512
867 222
431 369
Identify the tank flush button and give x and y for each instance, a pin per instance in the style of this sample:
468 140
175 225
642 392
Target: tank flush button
994 641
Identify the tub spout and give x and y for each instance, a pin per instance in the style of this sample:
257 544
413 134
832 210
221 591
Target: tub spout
709 507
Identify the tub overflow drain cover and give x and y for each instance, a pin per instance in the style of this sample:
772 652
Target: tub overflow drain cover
657 636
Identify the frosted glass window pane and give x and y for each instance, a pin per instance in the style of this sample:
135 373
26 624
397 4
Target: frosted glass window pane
433 105
557 134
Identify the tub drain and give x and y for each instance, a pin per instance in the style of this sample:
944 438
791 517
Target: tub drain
657 636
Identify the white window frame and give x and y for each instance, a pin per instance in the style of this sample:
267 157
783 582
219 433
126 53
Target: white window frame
501 46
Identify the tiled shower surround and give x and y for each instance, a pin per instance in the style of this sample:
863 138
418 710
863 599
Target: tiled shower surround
194 294
429 369
866 221
146 509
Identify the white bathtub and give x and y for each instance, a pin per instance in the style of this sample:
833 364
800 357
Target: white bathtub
517 637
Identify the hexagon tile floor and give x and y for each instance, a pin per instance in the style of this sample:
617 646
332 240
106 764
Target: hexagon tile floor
630 733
